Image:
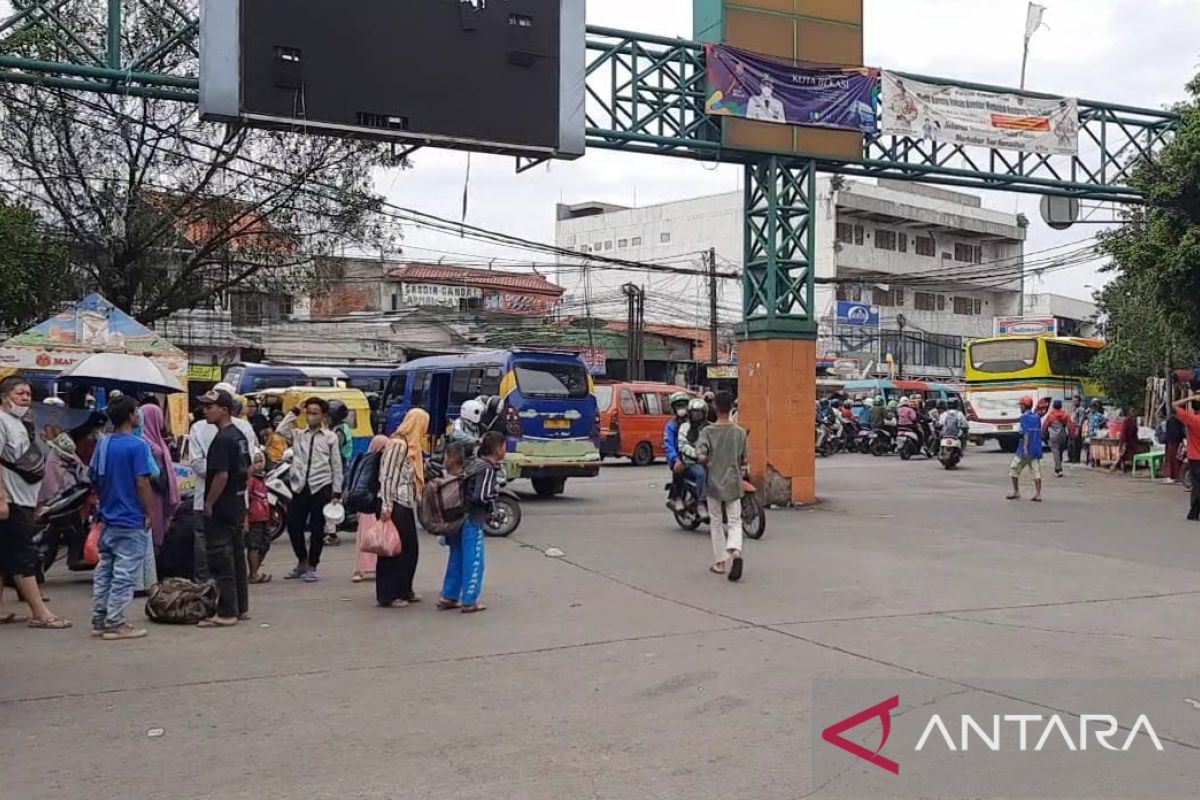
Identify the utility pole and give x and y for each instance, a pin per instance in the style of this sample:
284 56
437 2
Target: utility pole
635 333
900 323
1033 21
713 357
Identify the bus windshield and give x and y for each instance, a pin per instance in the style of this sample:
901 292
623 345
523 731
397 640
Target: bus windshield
562 380
1004 355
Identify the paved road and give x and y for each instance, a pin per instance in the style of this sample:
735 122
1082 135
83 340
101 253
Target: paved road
623 669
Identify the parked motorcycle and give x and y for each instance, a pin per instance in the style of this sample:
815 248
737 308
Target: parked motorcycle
61 525
279 495
950 452
829 437
754 517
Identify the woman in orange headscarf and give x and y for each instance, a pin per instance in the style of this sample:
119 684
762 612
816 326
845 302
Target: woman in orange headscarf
401 481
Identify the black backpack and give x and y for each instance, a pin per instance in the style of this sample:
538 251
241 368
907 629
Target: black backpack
362 483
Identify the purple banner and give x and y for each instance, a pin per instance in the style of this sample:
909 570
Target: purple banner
747 85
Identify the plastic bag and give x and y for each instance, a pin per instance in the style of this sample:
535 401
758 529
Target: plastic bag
91 545
380 537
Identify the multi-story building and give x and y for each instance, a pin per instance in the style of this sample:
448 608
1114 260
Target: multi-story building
935 265
1073 317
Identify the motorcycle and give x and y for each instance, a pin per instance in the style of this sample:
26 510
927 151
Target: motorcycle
883 442
279 495
863 440
829 437
754 517
950 453
506 511
908 442
61 524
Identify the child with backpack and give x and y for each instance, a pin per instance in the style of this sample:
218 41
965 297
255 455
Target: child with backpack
464 569
258 540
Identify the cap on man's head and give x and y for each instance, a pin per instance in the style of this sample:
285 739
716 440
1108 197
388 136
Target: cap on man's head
225 387
1058 403
218 397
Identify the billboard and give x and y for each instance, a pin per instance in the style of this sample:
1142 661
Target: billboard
961 115
496 77
751 86
860 314
1026 326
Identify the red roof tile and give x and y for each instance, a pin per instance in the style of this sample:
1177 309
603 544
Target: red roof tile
484 278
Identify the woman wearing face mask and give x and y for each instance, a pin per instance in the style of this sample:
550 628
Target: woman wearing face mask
679 404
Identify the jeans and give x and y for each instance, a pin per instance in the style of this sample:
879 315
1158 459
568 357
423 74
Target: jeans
464 569
308 509
122 559
1194 511
1056 447
226 547
697 474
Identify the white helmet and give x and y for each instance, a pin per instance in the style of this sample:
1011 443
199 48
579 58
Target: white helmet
472 411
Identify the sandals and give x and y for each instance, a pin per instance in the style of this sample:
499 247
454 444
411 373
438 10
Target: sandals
296 574
356 578
262 577
1012 497
447 605
474 609
52 624
215 622
717 569
735 571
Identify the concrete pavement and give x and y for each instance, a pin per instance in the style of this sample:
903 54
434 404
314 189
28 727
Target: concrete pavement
623 669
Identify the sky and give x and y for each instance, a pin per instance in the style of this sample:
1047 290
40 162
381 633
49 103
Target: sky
1135 52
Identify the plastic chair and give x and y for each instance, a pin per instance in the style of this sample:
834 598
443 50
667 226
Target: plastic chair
1154 461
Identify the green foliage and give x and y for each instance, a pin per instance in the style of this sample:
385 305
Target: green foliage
35 275
1151 308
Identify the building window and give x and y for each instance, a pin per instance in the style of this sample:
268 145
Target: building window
884 239
889 298
622 244
978 307
845 232
583 248
925 246
941 302
856 293
597 247
902 242
636 241
925 301
608 245
664 237
395 302
968 253
967 306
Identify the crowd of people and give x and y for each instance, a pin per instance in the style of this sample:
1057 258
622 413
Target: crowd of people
121 456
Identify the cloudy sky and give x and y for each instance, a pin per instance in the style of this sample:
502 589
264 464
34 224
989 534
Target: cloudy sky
1136 52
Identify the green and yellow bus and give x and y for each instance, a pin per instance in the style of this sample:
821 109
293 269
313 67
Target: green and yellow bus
1002 370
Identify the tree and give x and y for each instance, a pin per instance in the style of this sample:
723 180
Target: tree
1152 319
161 211
35 274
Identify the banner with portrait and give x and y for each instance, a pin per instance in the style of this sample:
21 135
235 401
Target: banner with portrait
751 86
960 115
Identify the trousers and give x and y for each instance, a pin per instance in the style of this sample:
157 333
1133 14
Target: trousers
1194 511
726 527
464 569
307 509
226 548
697 474
122 561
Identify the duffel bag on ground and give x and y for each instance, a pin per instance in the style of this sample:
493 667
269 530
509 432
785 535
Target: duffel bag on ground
178 601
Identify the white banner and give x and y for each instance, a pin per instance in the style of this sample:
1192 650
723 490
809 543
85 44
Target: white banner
957 115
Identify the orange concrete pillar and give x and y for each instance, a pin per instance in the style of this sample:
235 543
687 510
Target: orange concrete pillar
777 390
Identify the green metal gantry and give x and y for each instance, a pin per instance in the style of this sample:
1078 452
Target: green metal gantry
645 94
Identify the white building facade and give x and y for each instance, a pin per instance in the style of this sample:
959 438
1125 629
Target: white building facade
935 264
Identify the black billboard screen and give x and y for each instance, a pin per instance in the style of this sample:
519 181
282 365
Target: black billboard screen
481 74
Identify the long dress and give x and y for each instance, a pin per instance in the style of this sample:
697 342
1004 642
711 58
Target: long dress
397 490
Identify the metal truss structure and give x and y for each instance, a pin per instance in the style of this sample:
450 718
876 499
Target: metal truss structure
645 94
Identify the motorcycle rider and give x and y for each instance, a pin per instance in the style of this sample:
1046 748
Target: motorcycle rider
689 435
679 411
954 423
468 429
878 415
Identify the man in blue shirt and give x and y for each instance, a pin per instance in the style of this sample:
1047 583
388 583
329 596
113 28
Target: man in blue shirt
121 471
679 403
1029 452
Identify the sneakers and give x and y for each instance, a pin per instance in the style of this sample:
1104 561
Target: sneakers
311 576
125 631
1170 481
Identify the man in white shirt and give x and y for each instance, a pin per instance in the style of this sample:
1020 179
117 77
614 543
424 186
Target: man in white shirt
200 436
765 106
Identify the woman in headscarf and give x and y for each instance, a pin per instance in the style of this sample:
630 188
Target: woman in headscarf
163 486
364 563
401 482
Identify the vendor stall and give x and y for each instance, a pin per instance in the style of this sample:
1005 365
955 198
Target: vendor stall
94 325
